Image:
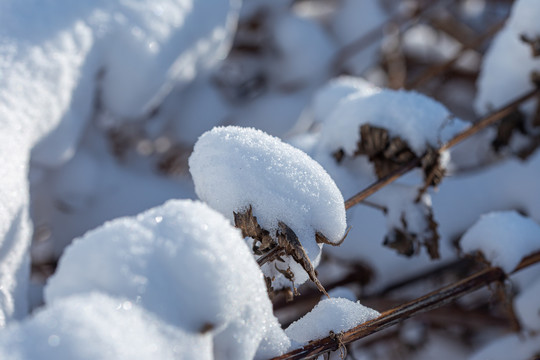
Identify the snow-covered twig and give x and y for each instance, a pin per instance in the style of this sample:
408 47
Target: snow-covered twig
482 124
393 316
437 69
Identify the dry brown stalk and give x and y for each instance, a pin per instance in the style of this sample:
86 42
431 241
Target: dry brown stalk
433 300
483 123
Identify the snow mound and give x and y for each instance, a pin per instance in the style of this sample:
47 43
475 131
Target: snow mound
500 80
235 167
504 238
417 119
175 261
336 314
99 327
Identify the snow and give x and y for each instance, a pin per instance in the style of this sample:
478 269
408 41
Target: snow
235 167
527 307
174 261
327 98
51 58
504 238
347 27
74 76
141 48
90 189
98 326
335 314
500 80
515 346
415 118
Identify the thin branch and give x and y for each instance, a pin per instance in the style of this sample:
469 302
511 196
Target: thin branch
270 255
376 186
483 123
433 300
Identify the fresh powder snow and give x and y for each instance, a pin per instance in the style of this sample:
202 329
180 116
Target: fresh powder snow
234 168
98 326
414 117
175 262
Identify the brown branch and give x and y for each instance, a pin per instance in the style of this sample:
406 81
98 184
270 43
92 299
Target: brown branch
376 186
433 300
483 123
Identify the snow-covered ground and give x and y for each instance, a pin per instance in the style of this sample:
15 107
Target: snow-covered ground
135 135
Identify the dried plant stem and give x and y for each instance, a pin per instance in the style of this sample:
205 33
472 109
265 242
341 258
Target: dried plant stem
379 184
483 123
270 255
393 316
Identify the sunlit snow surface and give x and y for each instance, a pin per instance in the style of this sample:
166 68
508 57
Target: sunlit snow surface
184 263
336 315
97 326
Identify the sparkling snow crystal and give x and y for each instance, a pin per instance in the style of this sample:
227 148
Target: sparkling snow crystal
235 167
188 266
504 238
336 314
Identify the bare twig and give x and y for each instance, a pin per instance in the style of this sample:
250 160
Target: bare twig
270 255
393 316
483 123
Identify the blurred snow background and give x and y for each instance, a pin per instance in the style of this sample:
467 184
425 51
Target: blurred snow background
102 102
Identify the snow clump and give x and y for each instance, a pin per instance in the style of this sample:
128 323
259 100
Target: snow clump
97 326
234 168
504 238
335 314
175 262
417 119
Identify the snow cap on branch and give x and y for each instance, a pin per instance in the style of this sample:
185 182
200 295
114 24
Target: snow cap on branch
504 238
336 314
176 262
417 119
234 168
